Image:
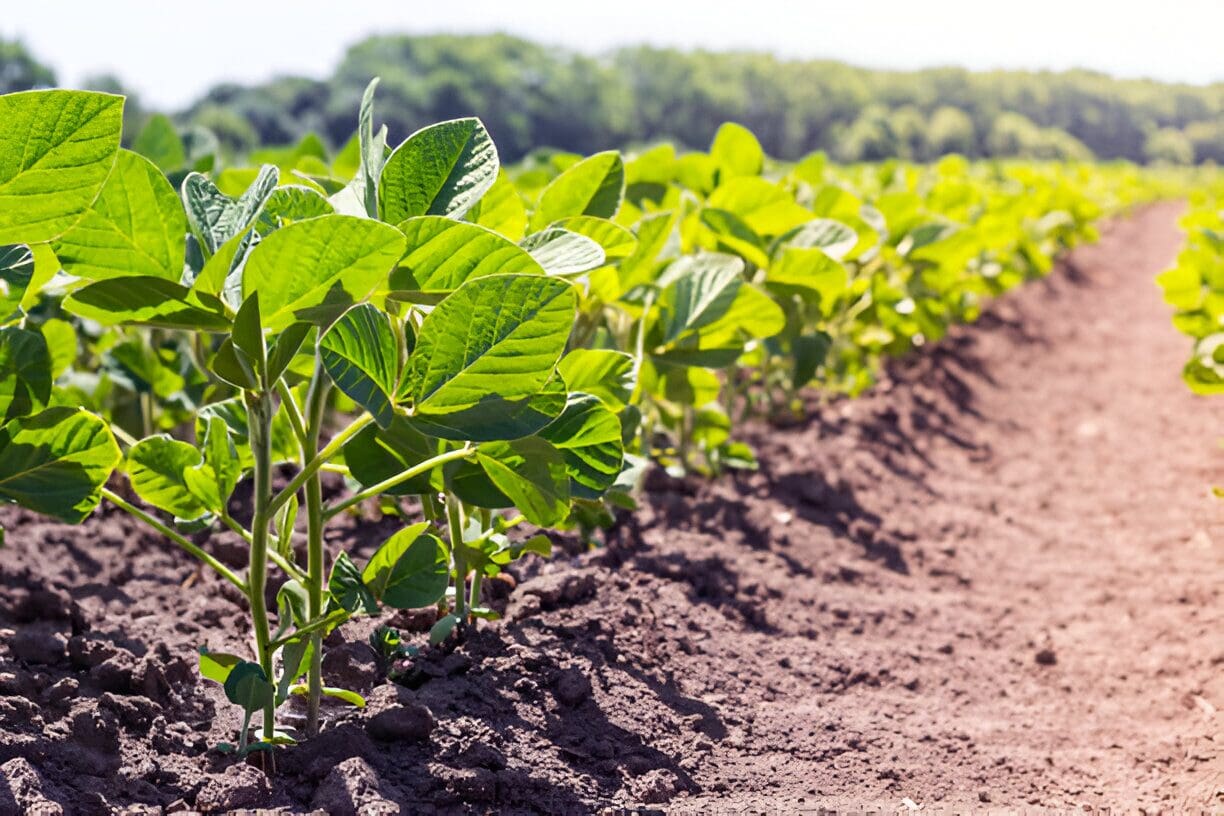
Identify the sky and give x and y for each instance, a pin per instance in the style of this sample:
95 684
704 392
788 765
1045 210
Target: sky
170 52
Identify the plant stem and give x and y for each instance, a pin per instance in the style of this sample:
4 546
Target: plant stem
399 478
316 400
312 627
294 414
222 570
313 464
259 410
454 523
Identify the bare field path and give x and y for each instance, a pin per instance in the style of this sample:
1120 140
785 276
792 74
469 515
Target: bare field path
995 582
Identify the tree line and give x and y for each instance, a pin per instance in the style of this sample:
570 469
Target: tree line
532 95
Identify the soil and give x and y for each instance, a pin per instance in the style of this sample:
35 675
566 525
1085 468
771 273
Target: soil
993 582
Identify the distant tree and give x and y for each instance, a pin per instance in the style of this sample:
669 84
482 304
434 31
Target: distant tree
19 71
1207 139
1169 145
950 131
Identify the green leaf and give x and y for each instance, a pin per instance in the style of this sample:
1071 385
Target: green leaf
56 150
736 236
443 254
214 217
61 342
146 301
159 142
588 434
56 462
247 686
442 169
220 462
312 271
158 468
496 418
290 203
359 353
347 588
501 209
532 474
216 666
136 227
561 252
500 335
375 455
441 630
373 146
410 570
593 186
25 372
700 290
810 271
767 208
344 695
16 272
616 241
834 237
606 374
737 151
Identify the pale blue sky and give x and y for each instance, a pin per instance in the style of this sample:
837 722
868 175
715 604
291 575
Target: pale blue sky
172 51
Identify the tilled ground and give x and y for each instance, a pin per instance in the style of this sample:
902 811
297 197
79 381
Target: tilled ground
994 582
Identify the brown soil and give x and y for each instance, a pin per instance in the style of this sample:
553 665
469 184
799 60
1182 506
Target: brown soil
993 582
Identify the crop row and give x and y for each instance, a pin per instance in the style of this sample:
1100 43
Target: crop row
471 347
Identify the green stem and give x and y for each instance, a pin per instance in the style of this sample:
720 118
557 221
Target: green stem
313 465
294 414
123 436
399 478
316 401
313 627
222 570
259 410
454 523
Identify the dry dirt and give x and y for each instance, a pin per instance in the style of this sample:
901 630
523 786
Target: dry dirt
994 582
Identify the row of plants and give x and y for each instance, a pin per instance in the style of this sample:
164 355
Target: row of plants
1194 287
473 348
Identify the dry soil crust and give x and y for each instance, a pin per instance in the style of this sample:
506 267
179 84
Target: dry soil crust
993 582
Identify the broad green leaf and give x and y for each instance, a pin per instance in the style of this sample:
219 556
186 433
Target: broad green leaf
344 695
214 217
735 235
606 374
46 266
290 203
561 252
737 151
146 301
588 434
159 142
765 207
312 271
593 186
375 455
410 570
497 336
56 150
442 169
531 474
809 352
233 413
216 666
247 686
158 468
617 241
834 237
61 345
501 209
55 462
25 372
359 353
443 254
701 289
496 418
136 227
812 271
16 272
347 588
221 274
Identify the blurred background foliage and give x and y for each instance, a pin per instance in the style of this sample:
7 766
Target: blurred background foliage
533 96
